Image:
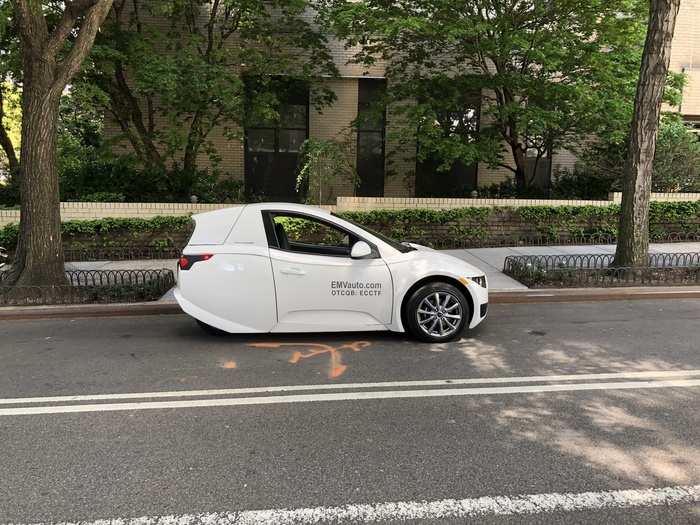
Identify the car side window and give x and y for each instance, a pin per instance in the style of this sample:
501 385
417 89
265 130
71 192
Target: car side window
303 234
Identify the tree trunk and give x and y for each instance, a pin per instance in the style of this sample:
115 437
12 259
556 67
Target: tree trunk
47 69
633 238
189 164
39 256
132 110
520 159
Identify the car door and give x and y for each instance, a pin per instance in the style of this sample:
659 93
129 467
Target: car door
319 287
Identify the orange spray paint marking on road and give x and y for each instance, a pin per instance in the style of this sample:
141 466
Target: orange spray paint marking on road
229 365
337 368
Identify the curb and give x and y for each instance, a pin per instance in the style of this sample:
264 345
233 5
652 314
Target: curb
570 295
562 295
87 310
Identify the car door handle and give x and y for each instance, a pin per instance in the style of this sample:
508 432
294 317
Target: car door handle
293 270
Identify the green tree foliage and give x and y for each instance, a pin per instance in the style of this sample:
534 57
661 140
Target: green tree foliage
323 164
543 75
677 157
676 166
10 113
171 72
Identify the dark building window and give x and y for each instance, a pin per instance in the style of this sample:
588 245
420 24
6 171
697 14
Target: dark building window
457 116
371 122
272 147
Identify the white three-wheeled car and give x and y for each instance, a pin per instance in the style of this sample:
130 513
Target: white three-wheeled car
294 268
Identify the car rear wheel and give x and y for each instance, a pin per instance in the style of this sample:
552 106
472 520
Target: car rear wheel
211 330
437 312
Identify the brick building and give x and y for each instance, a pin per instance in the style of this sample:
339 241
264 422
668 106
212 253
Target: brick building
267 159
685 57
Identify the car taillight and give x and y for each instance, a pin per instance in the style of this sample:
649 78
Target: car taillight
185 262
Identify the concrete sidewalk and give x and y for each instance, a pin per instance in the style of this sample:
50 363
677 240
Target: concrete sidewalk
490 260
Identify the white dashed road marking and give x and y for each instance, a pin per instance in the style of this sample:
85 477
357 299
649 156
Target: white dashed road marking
428 510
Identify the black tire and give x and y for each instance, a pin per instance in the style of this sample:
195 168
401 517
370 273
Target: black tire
211 330
454 296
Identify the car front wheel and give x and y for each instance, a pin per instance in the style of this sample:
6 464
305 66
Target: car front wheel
437 312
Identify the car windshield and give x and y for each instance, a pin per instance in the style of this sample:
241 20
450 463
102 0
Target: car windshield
403 248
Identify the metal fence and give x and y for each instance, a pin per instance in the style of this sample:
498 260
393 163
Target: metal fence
92 286
562 271
121 253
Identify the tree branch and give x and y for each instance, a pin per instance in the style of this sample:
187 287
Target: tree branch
93 19
71 13
31 23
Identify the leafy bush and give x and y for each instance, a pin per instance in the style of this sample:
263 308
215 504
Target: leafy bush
85 171
98 173
448 227
600 168
552 223
102 227
677 160
9 193
501 190
208 187
103 196
577 184
322 164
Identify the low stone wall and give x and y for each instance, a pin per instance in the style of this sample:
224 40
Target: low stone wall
396 203
662 197
100 210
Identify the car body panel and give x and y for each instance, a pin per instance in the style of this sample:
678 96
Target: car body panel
234 292
214 227
425 264
249 286
326 293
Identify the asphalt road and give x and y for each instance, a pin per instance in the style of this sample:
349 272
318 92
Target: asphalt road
149 446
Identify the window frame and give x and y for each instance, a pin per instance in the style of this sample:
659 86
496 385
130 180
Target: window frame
365 130
268 222
276 129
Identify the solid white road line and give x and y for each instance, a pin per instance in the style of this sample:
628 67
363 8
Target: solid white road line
345 396
429 510
657 374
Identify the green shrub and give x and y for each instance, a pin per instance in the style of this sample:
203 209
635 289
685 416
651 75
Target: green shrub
98 173
98 227
103 196
577 184
459 225
600 168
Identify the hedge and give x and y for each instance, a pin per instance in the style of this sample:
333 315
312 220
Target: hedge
102 227
472 224
551 222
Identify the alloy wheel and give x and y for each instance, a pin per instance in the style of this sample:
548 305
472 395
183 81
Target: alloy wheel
439 314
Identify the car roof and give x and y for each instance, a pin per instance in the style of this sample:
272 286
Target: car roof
289 206
235 209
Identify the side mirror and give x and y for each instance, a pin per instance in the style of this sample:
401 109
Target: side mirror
360 250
